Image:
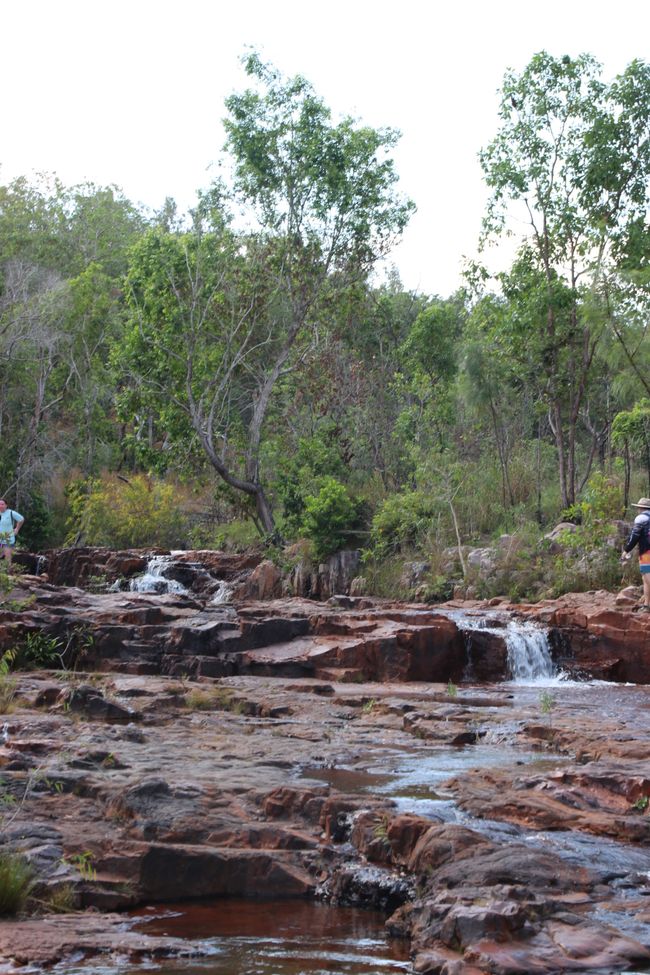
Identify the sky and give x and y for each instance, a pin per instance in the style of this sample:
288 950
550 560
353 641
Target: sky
131 92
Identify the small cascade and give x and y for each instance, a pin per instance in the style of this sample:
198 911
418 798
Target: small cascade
528 652
154 578
529 656
221 594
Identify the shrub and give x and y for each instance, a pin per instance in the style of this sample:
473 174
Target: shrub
588 561
234 536
16 878
61 900
35 533
330 517
403 521
39 651
303 470
122 514
7 682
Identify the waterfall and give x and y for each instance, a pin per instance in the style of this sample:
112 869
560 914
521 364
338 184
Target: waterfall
154 579
529 656
221 595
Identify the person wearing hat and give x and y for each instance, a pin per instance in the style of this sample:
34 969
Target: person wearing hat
640 535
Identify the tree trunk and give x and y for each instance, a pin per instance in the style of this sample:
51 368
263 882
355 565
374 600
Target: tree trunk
539 472
264 513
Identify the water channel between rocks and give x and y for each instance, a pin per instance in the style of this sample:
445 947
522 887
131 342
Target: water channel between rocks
241 937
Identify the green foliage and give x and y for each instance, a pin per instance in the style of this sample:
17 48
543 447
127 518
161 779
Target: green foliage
216 318
433 337
7 683
452 690
16 881
602 503
234 536
39 651
331 518
35 533
186 344
631 431
590 557
83 862
547 704
142 511
402 522
328 187
314 458
572 158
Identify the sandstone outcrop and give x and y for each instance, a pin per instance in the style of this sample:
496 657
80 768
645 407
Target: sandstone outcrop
181 747
271 787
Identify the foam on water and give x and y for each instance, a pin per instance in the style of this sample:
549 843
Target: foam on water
529 655
154 578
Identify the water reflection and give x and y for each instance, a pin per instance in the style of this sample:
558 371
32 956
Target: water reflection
264 938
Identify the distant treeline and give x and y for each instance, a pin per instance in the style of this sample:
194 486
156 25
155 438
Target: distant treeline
241 364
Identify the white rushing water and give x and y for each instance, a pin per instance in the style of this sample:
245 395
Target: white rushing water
221 595
154 578
529 655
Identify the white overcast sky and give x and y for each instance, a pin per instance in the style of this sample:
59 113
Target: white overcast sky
131 91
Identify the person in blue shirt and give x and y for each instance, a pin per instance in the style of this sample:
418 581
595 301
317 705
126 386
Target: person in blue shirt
10 524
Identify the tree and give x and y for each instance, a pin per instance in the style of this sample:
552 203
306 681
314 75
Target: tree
574 153
245 307
63 254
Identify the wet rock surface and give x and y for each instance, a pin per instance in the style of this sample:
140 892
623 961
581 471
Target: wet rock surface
271 787
292 749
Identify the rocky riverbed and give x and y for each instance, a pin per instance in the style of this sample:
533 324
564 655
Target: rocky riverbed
354 752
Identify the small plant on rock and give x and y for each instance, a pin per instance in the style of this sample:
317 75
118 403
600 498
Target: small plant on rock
546 705
61 900
7 682
83 862
16 879
452 690
380 829
39 651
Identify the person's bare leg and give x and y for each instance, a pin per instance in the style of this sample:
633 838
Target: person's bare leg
6 554
645 576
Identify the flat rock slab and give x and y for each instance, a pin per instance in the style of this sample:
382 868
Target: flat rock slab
48 940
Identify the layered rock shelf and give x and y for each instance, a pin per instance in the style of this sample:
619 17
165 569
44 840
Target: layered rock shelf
358 751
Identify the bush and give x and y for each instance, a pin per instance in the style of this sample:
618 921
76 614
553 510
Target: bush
7 682
123 514
590 560
330 517
403 522
39 651
16 878
314 458
233 536
35 533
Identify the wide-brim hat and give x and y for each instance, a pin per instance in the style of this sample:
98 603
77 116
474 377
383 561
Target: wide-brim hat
642 503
